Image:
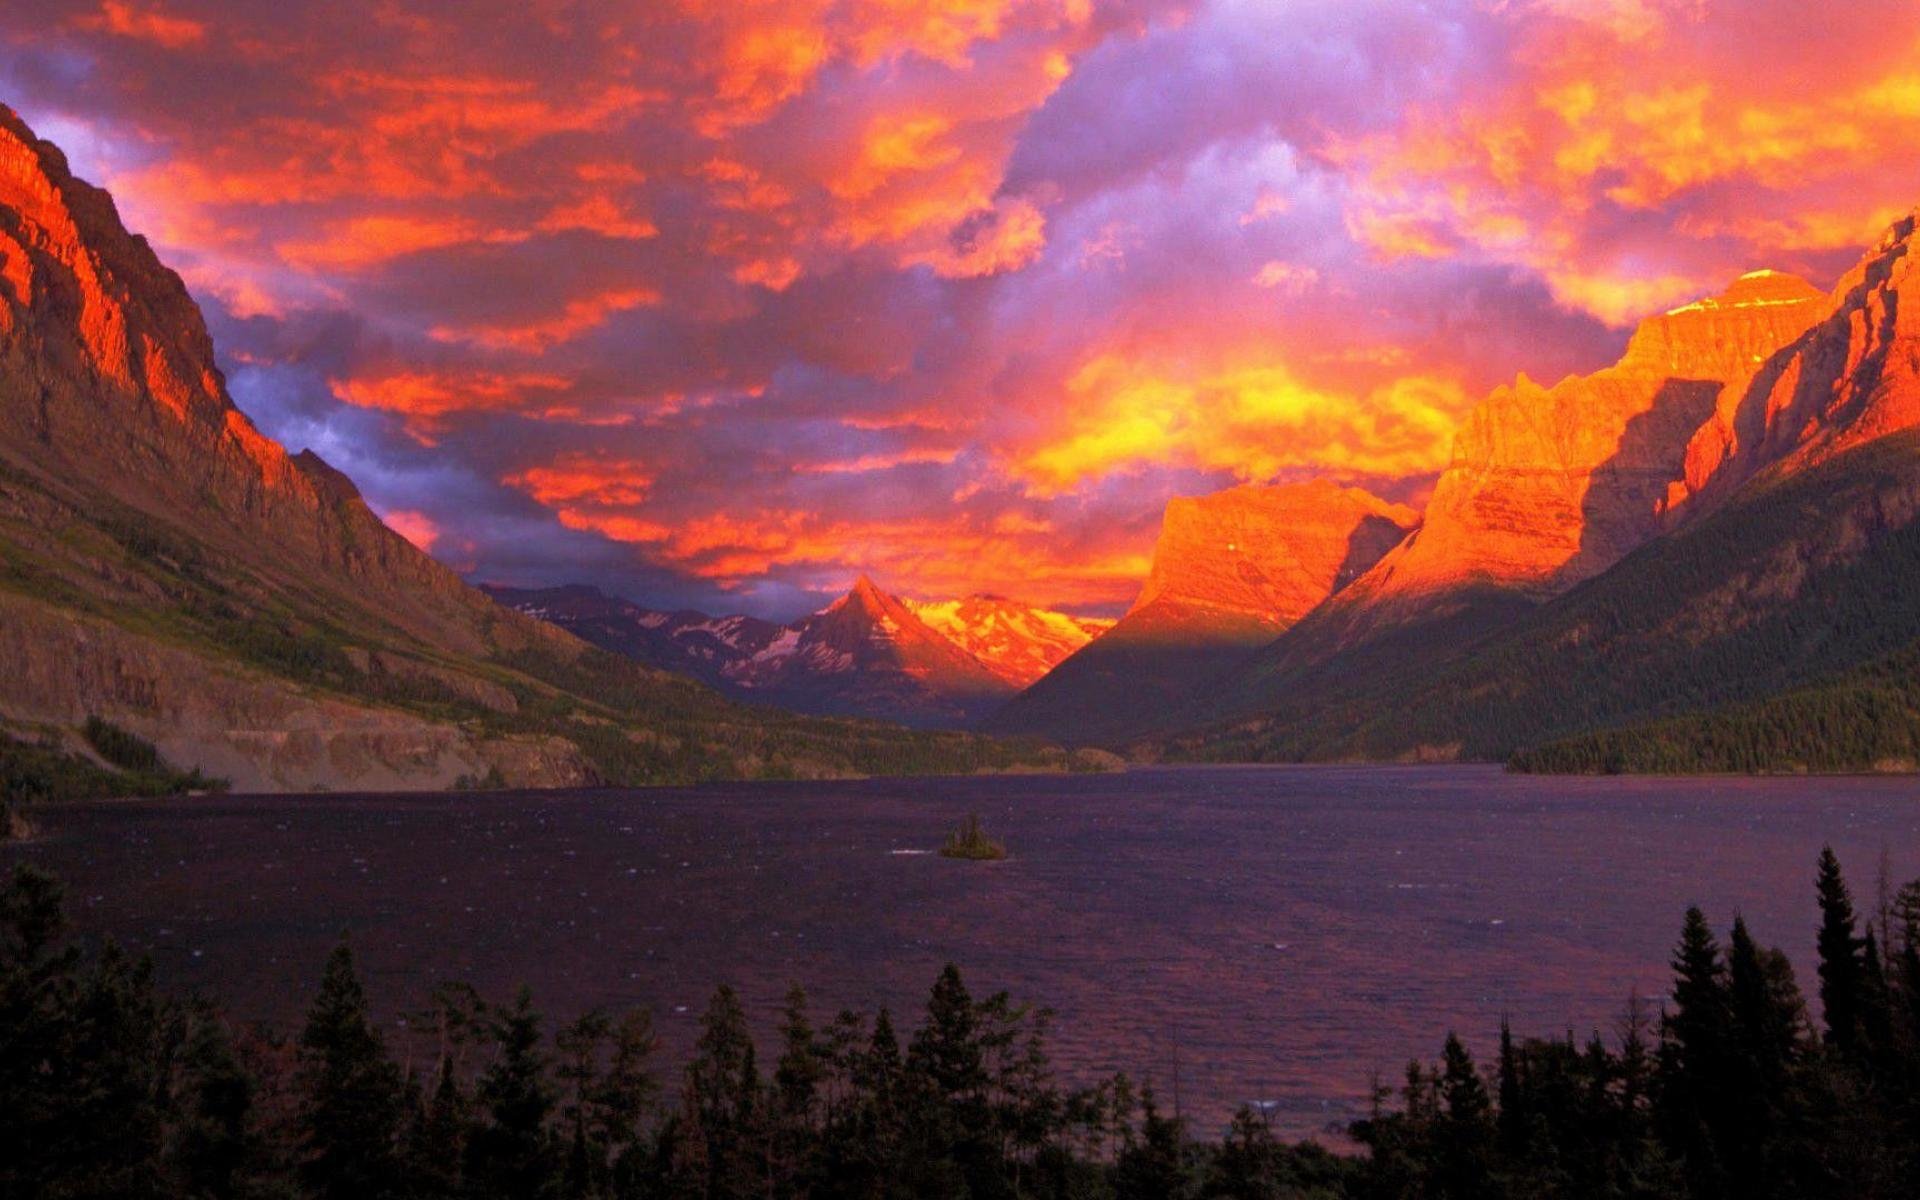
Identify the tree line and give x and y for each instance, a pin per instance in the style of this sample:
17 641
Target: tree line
1731 1088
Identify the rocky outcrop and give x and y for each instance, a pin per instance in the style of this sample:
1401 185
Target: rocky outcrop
1854 377
1549 486
1269 553
1231 572
257 732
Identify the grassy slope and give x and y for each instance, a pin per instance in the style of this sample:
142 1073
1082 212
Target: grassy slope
1753 602
162 581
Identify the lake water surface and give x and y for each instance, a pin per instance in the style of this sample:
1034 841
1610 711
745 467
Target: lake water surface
1282 933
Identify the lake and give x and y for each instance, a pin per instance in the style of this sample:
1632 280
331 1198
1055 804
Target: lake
1280 934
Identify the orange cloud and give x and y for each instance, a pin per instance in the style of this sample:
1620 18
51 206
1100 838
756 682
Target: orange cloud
146 25
426 399
601 215
879 462
923 556
1543 167
416 527
363 242
1253 421
1004 237
578 478
576 318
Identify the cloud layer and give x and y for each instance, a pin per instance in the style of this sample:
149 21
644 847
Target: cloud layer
720 303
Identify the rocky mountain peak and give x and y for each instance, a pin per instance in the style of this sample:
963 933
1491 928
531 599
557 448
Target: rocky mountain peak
1272 552
1018 642
1853 377
1724 338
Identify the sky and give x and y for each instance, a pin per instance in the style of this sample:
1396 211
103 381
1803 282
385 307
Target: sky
720 303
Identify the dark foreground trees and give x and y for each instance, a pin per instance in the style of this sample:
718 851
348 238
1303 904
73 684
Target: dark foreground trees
1736 1088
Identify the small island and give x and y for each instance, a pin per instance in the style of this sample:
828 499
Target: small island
971 841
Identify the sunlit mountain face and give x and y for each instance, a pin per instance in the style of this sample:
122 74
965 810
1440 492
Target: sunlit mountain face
720 305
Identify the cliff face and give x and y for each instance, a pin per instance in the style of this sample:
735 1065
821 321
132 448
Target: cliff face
1549 486
109 390
1269 552
1854 377
1231 571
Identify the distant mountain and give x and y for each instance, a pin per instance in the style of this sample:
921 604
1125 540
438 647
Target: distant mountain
1015 641
867 654
166 567
1760 614
713 650
1231 572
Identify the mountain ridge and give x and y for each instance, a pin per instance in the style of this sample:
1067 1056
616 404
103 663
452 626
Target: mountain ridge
867 653
1803 519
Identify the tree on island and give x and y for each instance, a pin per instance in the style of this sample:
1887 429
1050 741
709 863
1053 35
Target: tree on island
971 841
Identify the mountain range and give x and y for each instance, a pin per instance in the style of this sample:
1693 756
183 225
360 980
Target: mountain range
1696 558
1702 557
868 654
176 587
1705 556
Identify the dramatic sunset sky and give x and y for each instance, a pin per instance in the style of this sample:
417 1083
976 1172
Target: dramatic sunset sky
719 302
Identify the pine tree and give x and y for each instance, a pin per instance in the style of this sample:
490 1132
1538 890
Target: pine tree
1248 1165
1466 1129
213 1141
580 1044
1841 969
511 1155
437 1143
802 1067
1155 1164
797 1079
351 1092
108 1078
723 1107
946 1049
628 1095
1695 1053
1513 1117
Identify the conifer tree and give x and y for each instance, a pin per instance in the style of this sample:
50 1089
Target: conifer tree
437 1143
1695 1052
802 1066
629 1093
511 1154
1155 1163
1466 1129
350 1092
946 1049
797 1079
723 1106
1512 1118
1841 969
213 1143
